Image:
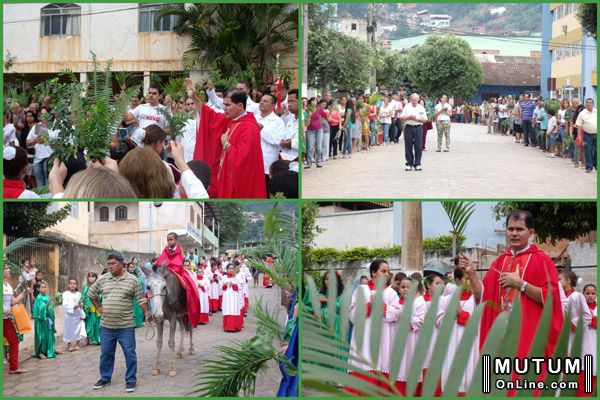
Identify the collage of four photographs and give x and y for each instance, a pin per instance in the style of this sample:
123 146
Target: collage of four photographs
230 200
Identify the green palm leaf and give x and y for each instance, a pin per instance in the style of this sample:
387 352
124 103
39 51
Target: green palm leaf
459 213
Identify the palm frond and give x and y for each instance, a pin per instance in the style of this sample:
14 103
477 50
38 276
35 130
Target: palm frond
175 88
17 244
234 372
268 324
459 213
14 246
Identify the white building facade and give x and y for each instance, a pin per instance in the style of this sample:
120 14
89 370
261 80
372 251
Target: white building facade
143 226
45 38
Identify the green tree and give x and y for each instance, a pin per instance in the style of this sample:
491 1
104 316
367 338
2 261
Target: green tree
28 219
310 229
233 222
319 16
556 220
337 60
587 17
445 65
392 73
233 38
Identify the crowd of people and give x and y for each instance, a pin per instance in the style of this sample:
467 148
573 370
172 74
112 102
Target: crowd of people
231 147
336 128
560 128
523 270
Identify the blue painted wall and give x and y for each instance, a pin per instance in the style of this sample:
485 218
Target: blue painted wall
588 64
546 54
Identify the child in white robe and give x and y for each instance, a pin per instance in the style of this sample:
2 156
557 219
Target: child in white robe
232 319
203 289
589 345
466 307
73 328
215 289
378 269
417 318
431 282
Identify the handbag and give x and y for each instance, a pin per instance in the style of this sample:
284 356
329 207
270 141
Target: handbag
22 321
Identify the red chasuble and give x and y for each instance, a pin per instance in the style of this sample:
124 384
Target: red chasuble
13 188
537 269
208 143
174 261
242 174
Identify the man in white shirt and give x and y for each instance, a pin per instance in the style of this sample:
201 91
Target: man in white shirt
10 133
414 115
148 114
251 106
272 132
396 128
586 126
289 145
443 111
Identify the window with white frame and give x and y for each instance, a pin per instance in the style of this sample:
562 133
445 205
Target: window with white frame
60 19
150 20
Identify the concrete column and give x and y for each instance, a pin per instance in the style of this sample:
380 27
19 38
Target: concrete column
146 82
412 236
53 268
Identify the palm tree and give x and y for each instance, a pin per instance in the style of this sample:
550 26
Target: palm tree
459 213
233 38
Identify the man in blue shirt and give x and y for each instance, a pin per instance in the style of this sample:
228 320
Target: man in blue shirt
526 110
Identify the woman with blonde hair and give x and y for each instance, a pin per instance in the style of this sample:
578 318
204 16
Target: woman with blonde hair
98 183
146 172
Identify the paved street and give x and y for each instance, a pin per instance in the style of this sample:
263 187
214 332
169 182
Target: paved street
73 374
479 165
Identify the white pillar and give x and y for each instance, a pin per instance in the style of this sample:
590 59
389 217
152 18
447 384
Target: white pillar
146 82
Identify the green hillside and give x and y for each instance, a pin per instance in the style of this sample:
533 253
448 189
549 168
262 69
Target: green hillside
521 16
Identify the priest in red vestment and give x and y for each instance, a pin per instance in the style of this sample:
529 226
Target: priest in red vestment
525 271
173 256
230 144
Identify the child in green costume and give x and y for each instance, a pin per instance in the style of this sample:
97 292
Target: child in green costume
92 317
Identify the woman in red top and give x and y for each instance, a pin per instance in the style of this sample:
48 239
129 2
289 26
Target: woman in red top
334 127
314 134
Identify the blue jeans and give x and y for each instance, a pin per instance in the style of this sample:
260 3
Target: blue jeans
108 344
314 138
528 132
40 171
386 132
347 145
590 151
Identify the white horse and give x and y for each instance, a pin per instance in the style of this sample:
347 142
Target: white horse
168 302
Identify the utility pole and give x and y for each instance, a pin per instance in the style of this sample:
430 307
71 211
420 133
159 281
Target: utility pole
412 236
371 39
304 49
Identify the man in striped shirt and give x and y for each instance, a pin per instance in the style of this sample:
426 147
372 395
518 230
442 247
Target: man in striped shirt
526 116
118 289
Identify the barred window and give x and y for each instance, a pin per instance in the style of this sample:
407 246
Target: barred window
60 19
103 213
150 21
121 213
